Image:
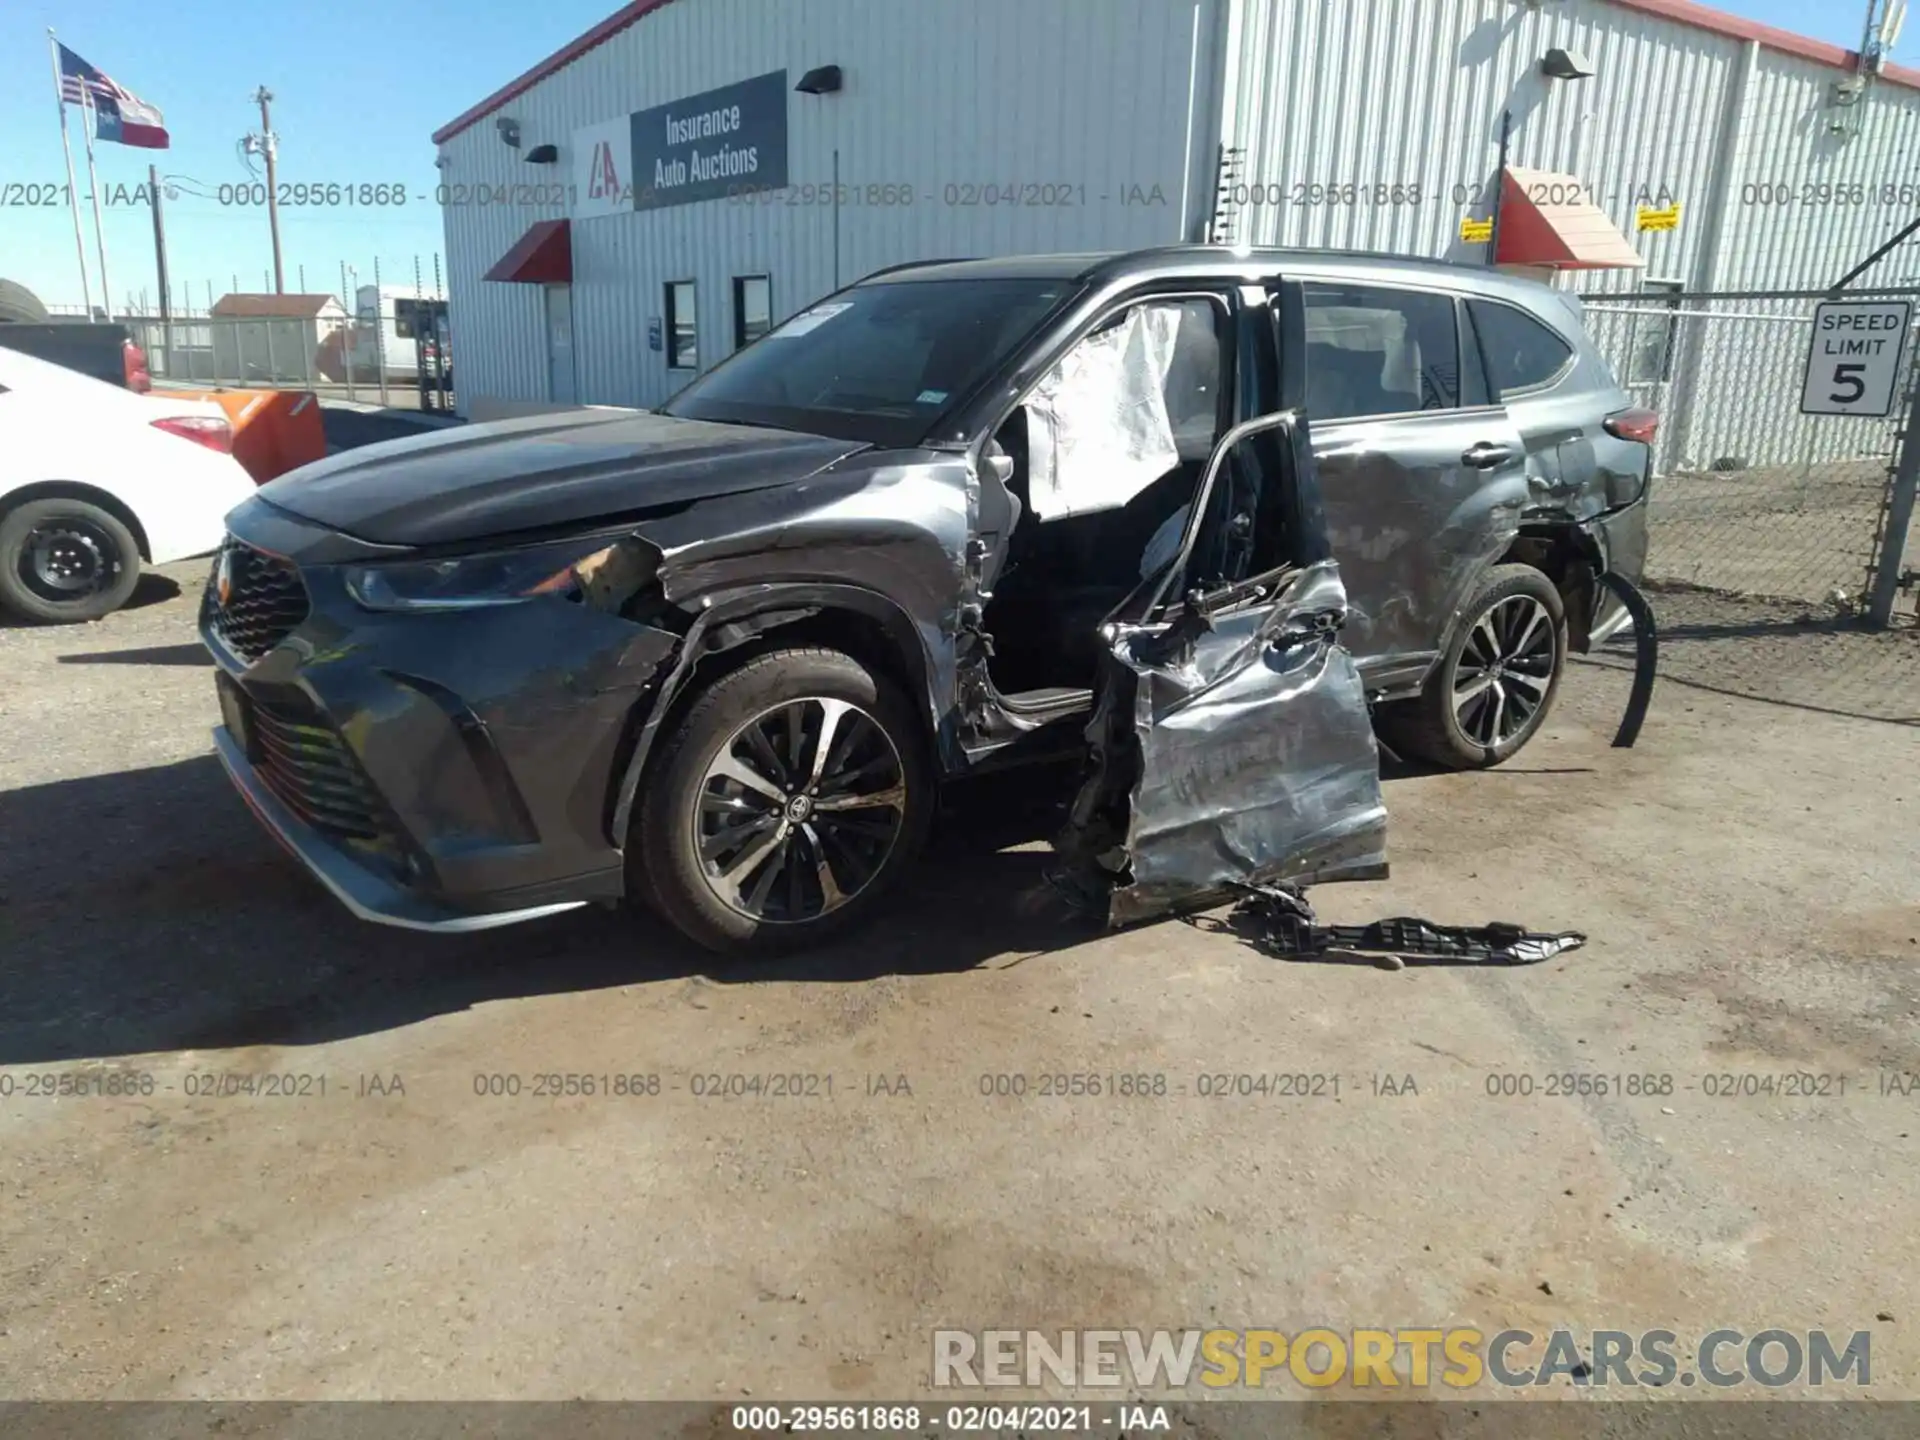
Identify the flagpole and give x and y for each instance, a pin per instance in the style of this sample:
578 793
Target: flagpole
93 183
73 197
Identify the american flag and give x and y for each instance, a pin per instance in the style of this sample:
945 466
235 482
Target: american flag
118 114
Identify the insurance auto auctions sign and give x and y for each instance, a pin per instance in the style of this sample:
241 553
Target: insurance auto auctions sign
603 169
703 147
1854 356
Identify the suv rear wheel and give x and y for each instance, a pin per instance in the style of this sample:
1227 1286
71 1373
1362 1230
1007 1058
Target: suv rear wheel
1497 680
790 798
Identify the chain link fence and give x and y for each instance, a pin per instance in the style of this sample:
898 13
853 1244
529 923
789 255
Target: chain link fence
1750 496
1764 524
402 357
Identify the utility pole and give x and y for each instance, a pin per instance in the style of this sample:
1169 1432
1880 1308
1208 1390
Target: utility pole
160 265
267 144
1500 186
1884 21
1890 575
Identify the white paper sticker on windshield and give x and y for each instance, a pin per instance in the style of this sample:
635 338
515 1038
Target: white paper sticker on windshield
811 320
929 397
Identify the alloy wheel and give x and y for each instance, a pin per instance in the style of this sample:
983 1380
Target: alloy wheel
799 810
68 559
1504 672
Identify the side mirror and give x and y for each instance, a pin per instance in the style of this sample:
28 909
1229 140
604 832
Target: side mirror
1001 464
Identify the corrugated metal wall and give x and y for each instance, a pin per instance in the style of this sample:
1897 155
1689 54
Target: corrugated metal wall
1802 206
1090 98
1406 92
1361 92
497 332
1807 204
1330 104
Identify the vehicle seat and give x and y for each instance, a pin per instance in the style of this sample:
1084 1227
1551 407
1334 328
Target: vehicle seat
1343 382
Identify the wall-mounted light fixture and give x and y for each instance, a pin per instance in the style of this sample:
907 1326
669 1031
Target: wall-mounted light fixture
543 155
824 80
1565 65
509 129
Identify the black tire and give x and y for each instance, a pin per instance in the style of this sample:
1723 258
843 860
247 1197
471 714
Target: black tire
663 852
19 305
93 537
1457 734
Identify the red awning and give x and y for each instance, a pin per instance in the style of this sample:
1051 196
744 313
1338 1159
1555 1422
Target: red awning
542 256
1546 219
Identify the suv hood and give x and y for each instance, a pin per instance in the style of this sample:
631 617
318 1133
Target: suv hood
472 481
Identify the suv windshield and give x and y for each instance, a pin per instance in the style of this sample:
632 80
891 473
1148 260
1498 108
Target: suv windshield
879 363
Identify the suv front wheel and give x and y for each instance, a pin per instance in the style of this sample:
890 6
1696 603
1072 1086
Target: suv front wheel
791 797
1497 680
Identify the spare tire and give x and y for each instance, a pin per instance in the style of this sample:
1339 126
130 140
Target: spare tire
20 305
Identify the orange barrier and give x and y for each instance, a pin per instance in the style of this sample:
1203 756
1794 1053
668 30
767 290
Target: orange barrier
274 431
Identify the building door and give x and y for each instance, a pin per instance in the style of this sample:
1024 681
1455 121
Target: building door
560 344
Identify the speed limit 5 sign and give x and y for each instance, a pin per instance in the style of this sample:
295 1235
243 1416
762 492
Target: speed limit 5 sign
1854 356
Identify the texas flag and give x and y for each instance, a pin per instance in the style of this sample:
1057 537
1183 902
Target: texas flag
118 114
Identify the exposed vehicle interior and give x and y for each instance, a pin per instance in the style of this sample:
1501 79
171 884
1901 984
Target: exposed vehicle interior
1131 441
1369 358
877 363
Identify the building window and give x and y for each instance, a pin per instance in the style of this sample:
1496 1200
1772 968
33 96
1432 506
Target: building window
683 337
1650 353
1375 351
752 308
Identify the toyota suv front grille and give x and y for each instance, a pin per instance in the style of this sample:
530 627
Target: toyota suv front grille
254 600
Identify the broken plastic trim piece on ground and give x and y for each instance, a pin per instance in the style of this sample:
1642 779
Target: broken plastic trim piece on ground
1287 926
1646 656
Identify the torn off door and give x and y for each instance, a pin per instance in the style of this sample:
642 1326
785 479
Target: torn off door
1252 757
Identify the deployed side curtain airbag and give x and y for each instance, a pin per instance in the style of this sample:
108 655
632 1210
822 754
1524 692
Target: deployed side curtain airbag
1097 426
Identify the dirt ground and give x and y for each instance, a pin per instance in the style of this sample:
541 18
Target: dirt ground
1746 875
1801 531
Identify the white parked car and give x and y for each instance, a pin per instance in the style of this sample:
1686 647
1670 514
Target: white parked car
96 481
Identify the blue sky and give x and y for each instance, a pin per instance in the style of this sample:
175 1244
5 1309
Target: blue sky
359 89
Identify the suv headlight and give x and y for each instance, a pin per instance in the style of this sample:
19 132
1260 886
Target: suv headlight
584 568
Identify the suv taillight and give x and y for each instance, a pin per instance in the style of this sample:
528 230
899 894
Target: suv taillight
212 431
1634 424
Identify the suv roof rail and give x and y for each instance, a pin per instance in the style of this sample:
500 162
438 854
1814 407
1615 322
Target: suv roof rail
914 265
1301 252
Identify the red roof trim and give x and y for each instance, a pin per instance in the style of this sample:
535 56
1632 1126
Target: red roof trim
1683 12
564 56
542 256
1701 17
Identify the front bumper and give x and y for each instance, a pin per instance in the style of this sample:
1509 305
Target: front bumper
444 772
366 893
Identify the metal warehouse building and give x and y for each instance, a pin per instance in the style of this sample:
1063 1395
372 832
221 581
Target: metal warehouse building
638 205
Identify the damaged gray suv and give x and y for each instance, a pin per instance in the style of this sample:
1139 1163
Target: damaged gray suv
1201 517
